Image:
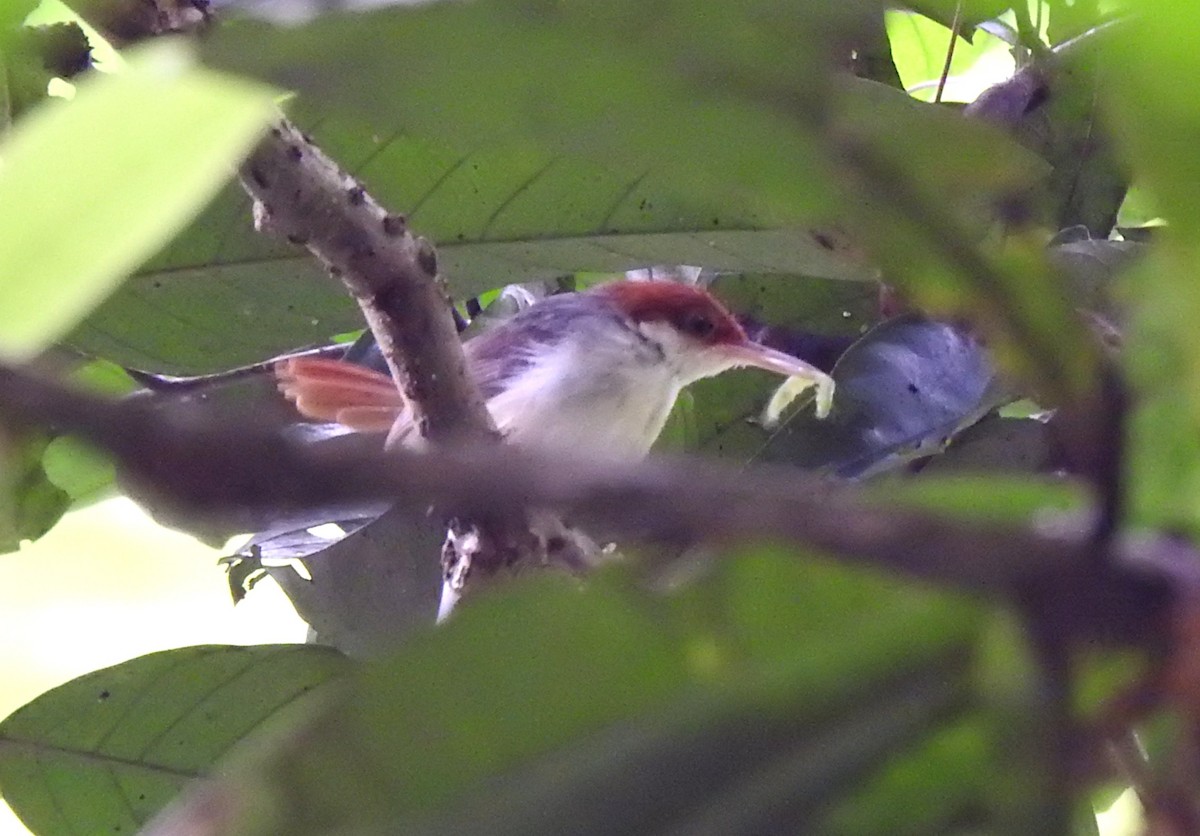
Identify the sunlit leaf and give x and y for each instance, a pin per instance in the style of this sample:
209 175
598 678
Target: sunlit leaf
919 46
169 133
969 12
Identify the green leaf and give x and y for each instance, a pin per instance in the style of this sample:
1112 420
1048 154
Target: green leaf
1070 19
919 46
77 469
1163 355
30 503
133 156
223 295
971 12
997 445
956 758
905 167
690 90
986 498
12 13
104 752
753 700
36 56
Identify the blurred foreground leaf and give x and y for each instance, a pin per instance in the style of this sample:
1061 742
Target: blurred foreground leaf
169 133
1163 356
550 709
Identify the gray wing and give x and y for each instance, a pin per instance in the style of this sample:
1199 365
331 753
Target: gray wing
506 350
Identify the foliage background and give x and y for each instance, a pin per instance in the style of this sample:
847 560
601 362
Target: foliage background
222 339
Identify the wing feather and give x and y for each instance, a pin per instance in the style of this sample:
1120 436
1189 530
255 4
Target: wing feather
346 393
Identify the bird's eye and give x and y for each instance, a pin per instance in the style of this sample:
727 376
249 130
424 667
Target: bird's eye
697 324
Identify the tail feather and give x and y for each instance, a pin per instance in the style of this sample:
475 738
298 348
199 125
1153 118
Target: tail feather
333 390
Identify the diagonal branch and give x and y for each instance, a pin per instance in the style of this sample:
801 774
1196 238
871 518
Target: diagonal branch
302 195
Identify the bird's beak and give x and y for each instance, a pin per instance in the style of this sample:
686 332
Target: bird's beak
800 376
760 357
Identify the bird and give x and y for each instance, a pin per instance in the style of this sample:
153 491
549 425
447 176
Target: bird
596 371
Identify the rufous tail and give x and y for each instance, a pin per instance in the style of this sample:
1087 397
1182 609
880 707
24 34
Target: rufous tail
333 390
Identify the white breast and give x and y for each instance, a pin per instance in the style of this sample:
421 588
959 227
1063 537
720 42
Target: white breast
614 404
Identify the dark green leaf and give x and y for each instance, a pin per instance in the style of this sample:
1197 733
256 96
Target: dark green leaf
760 713
30 503
997 445
367 591
689 91
104 752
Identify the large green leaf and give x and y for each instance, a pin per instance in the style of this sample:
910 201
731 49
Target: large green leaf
104 752
693 90
42 476
133 156
223 295
666 141
749 703
1159 130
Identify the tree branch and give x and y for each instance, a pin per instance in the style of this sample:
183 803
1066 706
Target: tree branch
303 195
233 466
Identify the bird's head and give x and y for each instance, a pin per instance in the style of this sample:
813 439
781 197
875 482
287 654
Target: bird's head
696 333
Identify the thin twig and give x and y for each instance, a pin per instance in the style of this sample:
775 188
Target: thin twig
954 24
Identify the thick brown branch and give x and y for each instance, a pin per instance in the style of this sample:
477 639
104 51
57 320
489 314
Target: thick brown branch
304 196
223 468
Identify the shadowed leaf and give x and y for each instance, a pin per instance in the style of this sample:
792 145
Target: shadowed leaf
104 752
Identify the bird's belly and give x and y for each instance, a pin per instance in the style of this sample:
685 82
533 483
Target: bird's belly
615 432
621 416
